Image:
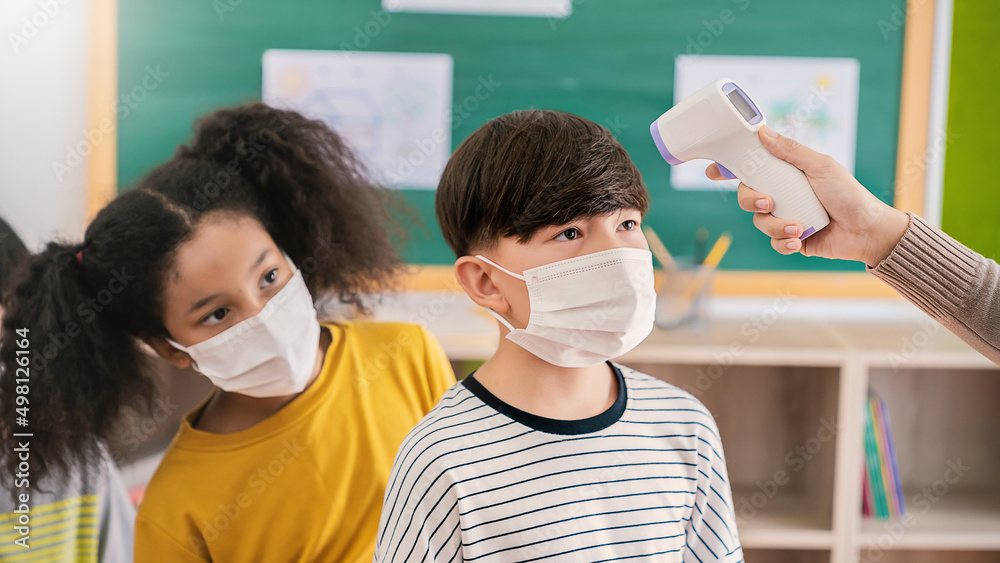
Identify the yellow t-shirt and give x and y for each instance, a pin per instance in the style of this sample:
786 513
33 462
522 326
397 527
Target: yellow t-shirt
305 484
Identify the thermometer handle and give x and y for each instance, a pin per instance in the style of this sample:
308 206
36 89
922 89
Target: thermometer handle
793 197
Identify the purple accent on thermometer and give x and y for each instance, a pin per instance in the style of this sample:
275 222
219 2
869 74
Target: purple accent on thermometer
654 130
729 87
808 232
725 172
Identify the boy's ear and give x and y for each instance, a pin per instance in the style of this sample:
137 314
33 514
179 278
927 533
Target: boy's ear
474 276
166 351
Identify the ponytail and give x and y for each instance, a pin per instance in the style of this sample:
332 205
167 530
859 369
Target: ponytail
82 369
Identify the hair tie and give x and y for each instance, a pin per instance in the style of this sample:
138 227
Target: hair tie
79 257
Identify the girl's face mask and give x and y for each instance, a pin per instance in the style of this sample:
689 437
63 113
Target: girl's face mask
270 354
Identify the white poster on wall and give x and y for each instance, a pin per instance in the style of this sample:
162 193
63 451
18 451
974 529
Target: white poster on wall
813 100
394 109
536 8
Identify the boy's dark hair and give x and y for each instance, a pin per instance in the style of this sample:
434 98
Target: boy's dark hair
86 304
531 169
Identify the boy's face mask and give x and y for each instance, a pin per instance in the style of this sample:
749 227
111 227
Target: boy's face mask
268 355
588 309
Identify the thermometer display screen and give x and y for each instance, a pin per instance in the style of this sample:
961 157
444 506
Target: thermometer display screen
745 109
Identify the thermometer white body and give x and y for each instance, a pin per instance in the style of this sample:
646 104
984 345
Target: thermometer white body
720 123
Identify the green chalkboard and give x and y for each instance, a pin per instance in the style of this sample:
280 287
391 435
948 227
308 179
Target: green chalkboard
971 202
610 61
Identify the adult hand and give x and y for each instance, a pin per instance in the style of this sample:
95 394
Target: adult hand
861 227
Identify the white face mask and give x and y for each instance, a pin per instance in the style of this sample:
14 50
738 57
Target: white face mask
588 309
268 355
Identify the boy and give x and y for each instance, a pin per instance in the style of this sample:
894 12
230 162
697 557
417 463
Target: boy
549 451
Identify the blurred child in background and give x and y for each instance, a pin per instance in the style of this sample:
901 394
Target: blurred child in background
79 511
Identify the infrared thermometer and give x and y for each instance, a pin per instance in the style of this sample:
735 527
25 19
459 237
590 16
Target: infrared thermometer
720 123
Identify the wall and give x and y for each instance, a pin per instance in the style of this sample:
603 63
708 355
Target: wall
43 101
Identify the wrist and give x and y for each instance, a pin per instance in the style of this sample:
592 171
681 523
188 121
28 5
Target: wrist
886 235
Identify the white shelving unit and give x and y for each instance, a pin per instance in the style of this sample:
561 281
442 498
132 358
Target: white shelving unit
789 397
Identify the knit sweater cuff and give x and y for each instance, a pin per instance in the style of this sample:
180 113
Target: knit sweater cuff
929 268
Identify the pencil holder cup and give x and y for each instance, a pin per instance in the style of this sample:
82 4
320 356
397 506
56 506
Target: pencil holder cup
683 295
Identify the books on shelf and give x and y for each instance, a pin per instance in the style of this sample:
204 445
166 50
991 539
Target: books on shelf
882 489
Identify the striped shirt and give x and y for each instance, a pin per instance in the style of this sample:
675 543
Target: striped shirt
85 516
479 480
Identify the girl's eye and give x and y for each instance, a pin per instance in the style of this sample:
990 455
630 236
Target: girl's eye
569 234
216 316
629 225
269 278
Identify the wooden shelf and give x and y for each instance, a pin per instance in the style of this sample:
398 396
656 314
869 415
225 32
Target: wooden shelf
934 556
957 520
786 555
784 523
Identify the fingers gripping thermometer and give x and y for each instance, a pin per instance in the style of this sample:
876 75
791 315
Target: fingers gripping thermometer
720 123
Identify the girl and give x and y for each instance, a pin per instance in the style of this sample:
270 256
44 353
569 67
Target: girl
214 261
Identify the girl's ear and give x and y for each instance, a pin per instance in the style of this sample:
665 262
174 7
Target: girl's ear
167 351
474 276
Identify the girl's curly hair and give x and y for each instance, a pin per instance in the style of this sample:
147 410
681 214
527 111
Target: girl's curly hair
85 306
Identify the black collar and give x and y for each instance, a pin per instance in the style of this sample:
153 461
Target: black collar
595 423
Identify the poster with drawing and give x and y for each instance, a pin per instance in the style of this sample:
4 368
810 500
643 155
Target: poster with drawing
813 100
394 109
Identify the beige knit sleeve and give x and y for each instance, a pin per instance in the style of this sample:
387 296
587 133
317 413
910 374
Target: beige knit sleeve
956 286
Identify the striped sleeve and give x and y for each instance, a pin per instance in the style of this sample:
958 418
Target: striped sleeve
420 517
711 532
425 527
66 530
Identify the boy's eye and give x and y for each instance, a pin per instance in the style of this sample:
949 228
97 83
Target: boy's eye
629 225
269 278
216 316
569 234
